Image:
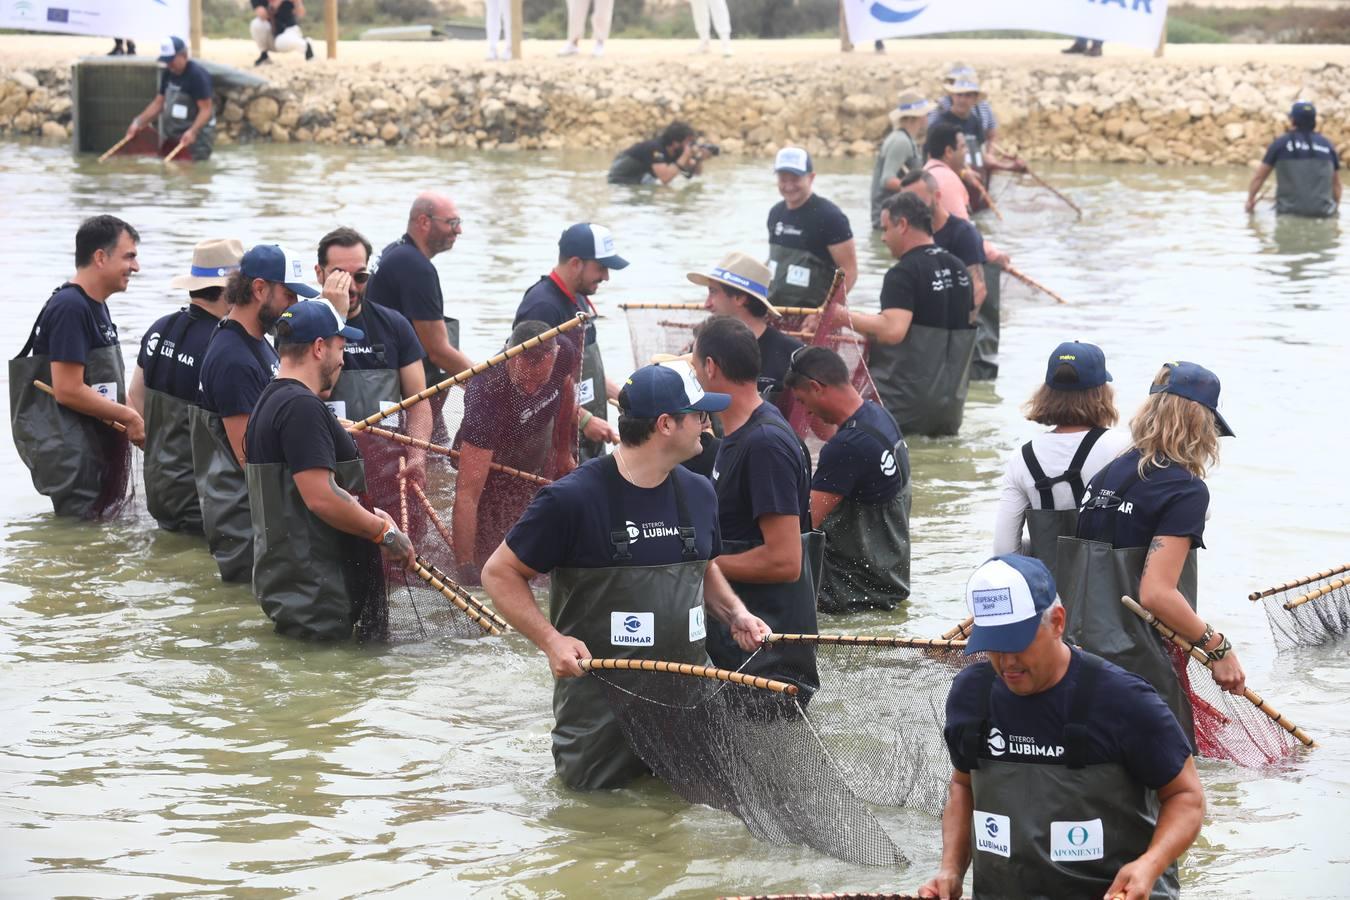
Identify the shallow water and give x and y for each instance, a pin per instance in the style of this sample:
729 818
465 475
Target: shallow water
159 739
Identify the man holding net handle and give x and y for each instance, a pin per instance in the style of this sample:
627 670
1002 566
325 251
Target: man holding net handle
1071 776
630 540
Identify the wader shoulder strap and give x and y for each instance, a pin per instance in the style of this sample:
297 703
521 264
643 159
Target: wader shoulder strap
618 533
975 733
1080 708
1073 475
32 335
688 537
180 327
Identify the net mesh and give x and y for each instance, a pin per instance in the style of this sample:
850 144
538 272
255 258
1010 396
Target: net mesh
1017 193
502 434
1309 611
117 488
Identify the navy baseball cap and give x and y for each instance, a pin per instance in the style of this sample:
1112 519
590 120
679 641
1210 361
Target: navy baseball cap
1007 596
310 320
1087 361
272 262
171 47
1303 113
1194 382
587 241
794 160
666 389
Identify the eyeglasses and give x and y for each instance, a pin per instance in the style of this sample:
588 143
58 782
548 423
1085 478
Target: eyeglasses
703 417
454 222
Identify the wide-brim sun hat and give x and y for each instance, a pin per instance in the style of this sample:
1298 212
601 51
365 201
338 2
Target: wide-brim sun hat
212 262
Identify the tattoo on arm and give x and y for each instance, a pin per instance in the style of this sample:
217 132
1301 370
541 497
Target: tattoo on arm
1155 544
341 494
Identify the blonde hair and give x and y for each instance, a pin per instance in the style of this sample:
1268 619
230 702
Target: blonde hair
1169 429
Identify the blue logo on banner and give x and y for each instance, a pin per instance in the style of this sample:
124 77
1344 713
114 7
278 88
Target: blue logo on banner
892 16
55 14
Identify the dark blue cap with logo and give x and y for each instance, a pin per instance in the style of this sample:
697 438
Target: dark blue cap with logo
1007 596
1194 382
587 241
667 389
272 262
310 320
1087 361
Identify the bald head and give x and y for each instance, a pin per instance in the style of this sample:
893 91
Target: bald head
433 223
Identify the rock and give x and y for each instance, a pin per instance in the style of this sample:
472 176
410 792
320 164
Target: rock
261 113
1234 131
389 133
280 134
54 131
24 80
864 104
1131 131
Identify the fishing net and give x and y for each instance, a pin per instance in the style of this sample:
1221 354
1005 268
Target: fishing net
1019 194
743 745
662 328
1308 611
512 425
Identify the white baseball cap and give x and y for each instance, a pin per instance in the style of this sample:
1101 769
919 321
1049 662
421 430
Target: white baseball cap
1007 596
794 160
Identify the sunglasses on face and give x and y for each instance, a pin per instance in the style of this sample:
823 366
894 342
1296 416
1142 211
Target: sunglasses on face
360 276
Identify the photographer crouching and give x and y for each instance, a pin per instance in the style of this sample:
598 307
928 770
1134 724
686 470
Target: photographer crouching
675 151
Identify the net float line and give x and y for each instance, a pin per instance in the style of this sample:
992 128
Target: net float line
176 150
850 895
460 378
1199 656
47 389
402 495
873 640
1320 592
695 307
477 614
1031 282
444 451
656 665
961 630
1298 582
115 147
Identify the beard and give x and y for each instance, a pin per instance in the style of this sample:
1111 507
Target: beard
328 378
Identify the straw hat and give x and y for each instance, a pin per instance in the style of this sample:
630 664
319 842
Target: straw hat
959 71
910 104
742 272
212 263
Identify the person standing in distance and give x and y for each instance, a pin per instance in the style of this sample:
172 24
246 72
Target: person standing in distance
900 152
576 25
316 571
1071 778
407 282
586 255
1307 169
809 237
75 351
185 104
924 336
631 541
860 493
164 384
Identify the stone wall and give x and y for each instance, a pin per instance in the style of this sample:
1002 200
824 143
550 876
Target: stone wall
1126 112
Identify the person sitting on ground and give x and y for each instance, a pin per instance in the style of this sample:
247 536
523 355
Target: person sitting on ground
1306 167
675 151
185 104
1078 403
860 493
275 28
520 414
900 153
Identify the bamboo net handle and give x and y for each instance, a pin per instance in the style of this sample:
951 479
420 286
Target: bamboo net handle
402 495
1031 282
47 389
656 665
1199 656
420 444
431 514
458 590
115 147
961 630
872 640
1320 592
447 384
1034 177
1298 582
478 614
695 307
176 150
984 195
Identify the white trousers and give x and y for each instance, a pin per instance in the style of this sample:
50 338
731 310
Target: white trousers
497 20
289 40
714 11
600 20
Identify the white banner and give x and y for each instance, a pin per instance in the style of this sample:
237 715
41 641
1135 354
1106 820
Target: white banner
1137 22
148 21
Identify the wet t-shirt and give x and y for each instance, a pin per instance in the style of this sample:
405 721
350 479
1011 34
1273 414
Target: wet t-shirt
173 349
961 239
567 523
389 343
1167 502
856 466
1127 723
194 81
235 370
499 415
760 472
814 226
932 284
775 355
407 282
71 325
1301 145
955 198
291 425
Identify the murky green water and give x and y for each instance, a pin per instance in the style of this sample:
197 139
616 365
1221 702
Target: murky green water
159 739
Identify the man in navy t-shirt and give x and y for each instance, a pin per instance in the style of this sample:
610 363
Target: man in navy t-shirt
809 237
957 236
1071 776
1307 168
185 103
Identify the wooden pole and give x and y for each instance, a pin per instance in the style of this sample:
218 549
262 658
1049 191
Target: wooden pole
517 27
195 27
845 45
1162 40
330 26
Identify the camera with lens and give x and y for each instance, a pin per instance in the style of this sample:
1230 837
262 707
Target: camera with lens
708 149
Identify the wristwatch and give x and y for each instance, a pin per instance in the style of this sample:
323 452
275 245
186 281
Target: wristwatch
389 537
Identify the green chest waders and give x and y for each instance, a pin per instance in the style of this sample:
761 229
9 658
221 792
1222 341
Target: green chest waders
628 612
301 568
170 488
800 278
1056 830
984 364
592 396
68 454
222 492
180 111
924 379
